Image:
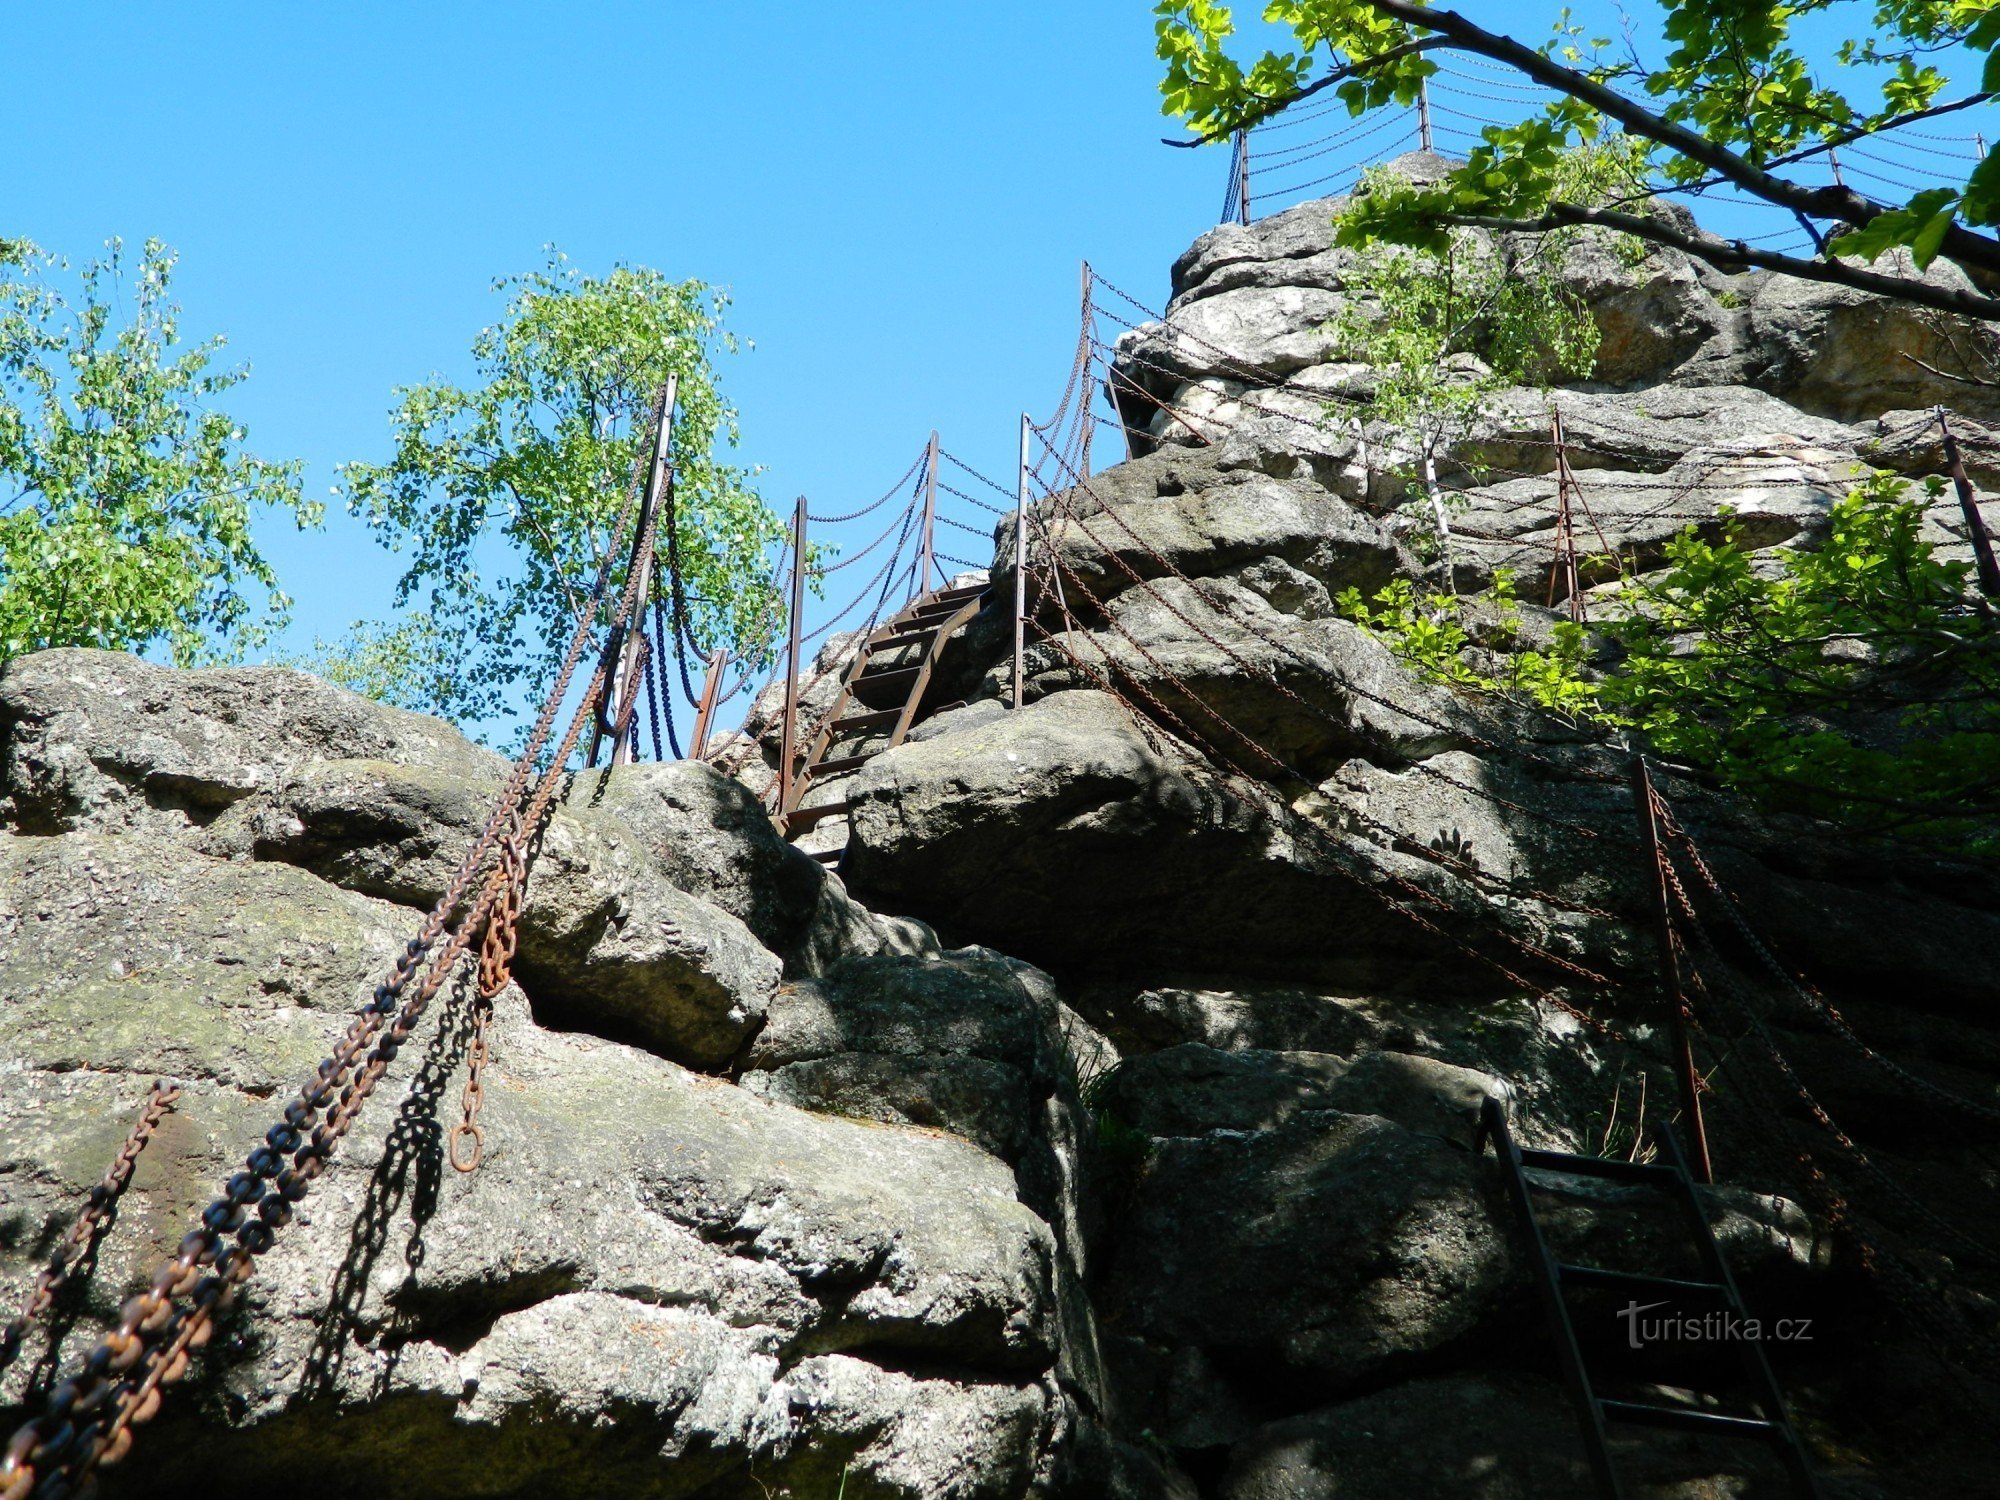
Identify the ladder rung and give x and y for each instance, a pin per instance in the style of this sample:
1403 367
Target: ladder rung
933 609
902 639
958 595
1596 1166
802 818
1686 1420
829 856
838 766
863 723
1630 1281
887 673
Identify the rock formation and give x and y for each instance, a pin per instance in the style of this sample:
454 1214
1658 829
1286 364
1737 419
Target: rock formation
1105 1126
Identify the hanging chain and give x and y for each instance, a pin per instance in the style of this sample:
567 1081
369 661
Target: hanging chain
101 1203
467 1144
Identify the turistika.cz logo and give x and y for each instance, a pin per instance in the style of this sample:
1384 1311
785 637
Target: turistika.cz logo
1720 1326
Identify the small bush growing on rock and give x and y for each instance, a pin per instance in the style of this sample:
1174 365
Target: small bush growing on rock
1856 681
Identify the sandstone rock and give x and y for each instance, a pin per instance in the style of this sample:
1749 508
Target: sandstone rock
99 738
1652 310
1849 354
714 840
1192 1090
1255 684
1068 833
1647 431
967 1042
1334 1246
638 1240
1486 1437
606 938
1204 512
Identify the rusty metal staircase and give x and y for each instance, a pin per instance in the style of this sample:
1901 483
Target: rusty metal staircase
1556 1280
886 682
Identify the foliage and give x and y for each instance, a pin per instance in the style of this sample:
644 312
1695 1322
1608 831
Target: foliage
1852 681
1430 633
1733 90
126 498
505 492
403 664
1444 330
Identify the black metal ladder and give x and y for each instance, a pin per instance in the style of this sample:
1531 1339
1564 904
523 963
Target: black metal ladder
1552 1277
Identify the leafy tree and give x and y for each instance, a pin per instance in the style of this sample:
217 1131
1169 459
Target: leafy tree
1443 331
504 492
402 663
1734 104
126 498
1856 681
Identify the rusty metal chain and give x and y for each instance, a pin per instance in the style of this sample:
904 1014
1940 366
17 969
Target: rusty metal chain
1463 867
99 1206
1721 983
89 1418
1276 641
466 1145
1063 569
1808 994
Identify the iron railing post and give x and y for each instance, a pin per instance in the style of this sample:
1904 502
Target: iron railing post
1670 969
1021 561
1086 353
621 687
927 549
1243 175
1968 504
1564 566
711 688
788 741
1424 115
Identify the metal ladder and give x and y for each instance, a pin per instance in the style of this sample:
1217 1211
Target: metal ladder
889 694
1553 1277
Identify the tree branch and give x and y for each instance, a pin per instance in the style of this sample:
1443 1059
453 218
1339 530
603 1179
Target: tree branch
1736 255
1835 202
1339 75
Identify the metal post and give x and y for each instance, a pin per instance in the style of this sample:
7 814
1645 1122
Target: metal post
621 687
1423 114
788 744
711 687
1670 969
1975 524
1243 175
925 551
1084 340
1021 562
1564 565
1833 161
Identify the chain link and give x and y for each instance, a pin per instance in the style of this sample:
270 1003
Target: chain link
100 1205
89 1418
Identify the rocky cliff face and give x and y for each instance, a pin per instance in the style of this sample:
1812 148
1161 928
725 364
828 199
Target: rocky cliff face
1105 1127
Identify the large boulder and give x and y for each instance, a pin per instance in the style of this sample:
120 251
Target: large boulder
1072 833
1850 354
101 739
656 1283
1204 512
1652 306
1505 1436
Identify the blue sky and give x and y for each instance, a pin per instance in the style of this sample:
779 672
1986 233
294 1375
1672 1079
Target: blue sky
896 195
